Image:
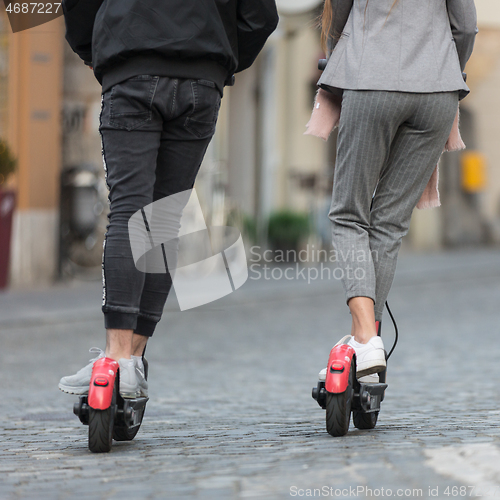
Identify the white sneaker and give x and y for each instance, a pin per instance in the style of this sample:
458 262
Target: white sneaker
343 340
370 357
141 376
129 387
80 381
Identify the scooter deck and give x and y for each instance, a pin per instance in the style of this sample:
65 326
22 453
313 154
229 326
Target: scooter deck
128 413
368 398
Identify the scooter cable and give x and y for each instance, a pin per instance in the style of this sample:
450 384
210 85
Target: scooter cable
387 305
395 329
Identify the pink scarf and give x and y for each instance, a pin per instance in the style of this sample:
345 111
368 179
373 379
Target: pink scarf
326 115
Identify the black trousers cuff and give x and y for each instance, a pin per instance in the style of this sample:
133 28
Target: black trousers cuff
145 327
114 320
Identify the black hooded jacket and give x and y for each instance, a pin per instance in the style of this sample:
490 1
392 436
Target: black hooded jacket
210 39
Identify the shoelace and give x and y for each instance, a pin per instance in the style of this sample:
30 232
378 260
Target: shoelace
96 350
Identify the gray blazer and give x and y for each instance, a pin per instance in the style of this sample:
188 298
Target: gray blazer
422 46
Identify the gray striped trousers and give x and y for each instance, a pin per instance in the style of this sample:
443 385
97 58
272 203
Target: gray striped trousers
388 144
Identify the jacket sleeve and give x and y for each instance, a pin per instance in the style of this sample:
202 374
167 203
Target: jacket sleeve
256 20
341 10
463 22
79 16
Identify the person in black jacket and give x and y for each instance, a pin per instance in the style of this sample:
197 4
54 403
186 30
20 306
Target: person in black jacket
163 67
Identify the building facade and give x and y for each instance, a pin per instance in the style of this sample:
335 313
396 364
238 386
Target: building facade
259 160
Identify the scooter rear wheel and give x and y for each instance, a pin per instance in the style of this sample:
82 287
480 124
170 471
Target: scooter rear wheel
100 430
364 420
338 408
101 423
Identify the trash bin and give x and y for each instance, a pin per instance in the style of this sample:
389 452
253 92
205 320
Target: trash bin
7 204
81 206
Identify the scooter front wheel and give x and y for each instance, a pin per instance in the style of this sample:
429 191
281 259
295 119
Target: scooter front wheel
363 420
127 433
338 408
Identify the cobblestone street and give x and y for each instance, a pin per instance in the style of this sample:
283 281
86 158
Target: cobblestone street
230 413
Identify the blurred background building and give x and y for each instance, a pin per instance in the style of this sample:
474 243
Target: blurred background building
259 162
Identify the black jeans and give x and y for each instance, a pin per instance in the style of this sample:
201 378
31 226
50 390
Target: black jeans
155 131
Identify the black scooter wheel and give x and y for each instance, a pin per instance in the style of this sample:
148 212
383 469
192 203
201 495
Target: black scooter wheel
101 423
338 408
364 420
121 434
125 434
100 430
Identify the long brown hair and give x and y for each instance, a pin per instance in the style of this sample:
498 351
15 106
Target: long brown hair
327 22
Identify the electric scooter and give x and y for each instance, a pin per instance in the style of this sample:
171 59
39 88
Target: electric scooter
108 415
341 393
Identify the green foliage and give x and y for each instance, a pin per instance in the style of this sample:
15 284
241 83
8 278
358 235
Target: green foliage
250 228
7 162
286 229
245 223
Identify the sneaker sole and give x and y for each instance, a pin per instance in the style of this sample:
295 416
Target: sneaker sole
375 381
129 395
370 370
80 392
71 390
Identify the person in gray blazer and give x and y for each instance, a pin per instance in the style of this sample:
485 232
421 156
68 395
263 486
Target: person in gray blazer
398 66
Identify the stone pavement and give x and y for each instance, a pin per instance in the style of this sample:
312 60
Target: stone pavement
231 414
